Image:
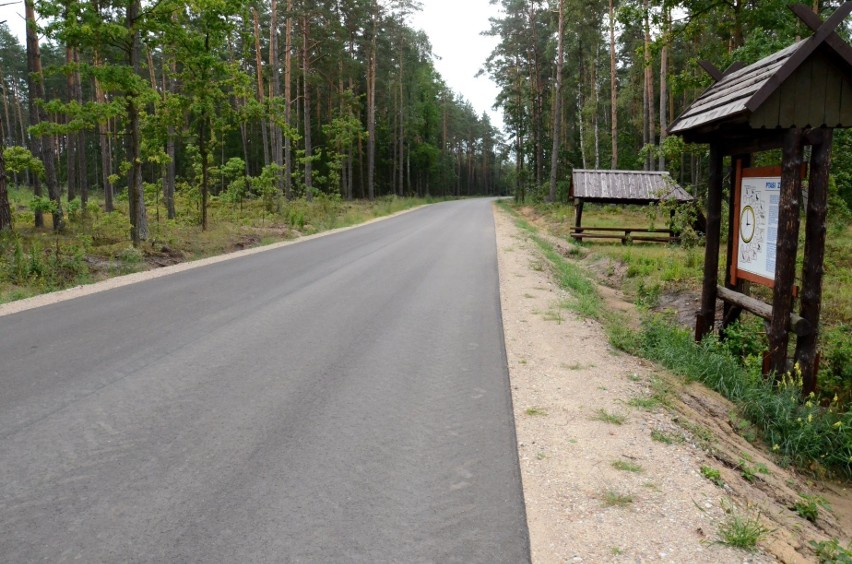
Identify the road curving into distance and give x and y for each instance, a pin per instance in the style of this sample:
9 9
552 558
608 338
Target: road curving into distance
345 399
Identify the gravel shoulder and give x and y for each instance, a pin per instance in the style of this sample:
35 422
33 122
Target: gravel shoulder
598 491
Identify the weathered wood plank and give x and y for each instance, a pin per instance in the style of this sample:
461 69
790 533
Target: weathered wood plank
620 185
621 229
833 92
816 109
789 102
595 236
796 323
801 80
813 21
845 119
767 114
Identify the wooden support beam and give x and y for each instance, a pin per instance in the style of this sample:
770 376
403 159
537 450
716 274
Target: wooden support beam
786 247
731 312
813 267
711 69
801 54
797 324
706 315
813 21
578 213
734 67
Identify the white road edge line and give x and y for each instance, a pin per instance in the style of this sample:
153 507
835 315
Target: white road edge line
51 298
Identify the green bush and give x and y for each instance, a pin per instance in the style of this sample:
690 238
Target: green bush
745 338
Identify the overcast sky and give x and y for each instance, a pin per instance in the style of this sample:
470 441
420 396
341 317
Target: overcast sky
453 26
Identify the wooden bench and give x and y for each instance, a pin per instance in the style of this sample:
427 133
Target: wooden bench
624 234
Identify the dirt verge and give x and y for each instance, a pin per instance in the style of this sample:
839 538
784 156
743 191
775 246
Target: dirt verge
612 448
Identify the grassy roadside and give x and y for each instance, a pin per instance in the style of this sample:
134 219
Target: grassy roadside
813 434
669 277
95 245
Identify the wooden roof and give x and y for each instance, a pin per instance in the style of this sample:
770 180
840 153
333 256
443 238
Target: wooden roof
808 84
626 186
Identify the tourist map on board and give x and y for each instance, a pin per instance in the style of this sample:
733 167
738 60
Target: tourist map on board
758 230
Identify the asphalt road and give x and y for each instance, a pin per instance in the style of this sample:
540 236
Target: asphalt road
345 399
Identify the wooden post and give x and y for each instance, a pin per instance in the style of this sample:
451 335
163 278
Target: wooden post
787 245
578 214
732 312
813 269
707 314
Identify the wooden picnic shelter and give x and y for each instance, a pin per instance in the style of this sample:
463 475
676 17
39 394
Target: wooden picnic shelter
789 100
622 187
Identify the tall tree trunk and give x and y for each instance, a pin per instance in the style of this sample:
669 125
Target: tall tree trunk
371 104
275 103
261 96
537 84
595 104
306 72
44 145
613 86
104 143
19 110
71 138
9 127
204 153
5 209
288 102
649 86
82 166
664 96
169 171
401 119
136 191
580 121
557 103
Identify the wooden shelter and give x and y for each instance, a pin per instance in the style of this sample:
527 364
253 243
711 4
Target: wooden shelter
621 187
789 100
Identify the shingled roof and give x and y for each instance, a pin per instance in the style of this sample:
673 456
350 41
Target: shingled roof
730 96
808 84
629 186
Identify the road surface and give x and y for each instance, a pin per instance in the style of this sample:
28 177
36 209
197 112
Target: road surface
345 399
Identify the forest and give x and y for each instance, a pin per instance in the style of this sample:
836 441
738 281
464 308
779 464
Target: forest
170 109
594 83
180 104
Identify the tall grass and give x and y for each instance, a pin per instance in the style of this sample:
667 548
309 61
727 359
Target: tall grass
96 245
585 299
798 429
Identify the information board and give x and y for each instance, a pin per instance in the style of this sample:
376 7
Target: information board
757 225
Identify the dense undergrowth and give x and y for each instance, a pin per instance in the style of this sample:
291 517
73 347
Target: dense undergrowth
95 245
814 432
